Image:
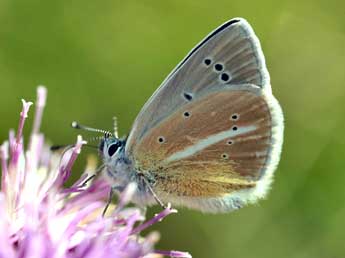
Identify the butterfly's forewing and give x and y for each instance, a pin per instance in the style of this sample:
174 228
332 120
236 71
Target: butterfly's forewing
234 46
212 132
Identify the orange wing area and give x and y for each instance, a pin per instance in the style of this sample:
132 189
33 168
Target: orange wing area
211 146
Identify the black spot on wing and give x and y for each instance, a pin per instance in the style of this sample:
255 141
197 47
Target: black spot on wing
218 67
186 114
207 61
224 77
188 96
161 139
214 33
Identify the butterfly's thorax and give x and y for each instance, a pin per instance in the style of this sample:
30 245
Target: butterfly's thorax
120 170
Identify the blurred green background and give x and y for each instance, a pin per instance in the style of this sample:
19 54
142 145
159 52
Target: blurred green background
105 58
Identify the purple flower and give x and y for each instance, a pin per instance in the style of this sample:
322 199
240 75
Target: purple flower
41 218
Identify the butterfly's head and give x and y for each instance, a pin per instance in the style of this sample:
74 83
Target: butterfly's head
117 166
110 147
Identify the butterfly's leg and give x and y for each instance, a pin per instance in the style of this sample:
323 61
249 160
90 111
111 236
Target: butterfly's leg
110 198
148 185
98 170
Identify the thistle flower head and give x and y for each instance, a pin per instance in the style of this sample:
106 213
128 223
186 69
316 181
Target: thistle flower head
39 217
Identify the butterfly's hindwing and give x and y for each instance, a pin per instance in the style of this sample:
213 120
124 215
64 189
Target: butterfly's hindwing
223 140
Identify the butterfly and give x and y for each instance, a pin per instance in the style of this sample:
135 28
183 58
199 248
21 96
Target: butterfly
210 137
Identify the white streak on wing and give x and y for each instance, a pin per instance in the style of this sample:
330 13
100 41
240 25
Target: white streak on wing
204 143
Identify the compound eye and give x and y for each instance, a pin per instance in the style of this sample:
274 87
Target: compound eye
113 148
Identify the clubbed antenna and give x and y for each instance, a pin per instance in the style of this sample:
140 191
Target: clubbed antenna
76 125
